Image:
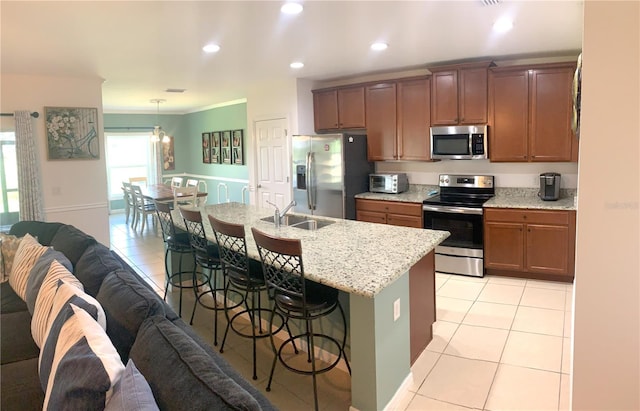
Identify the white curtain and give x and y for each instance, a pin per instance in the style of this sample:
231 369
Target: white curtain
155 163
28 168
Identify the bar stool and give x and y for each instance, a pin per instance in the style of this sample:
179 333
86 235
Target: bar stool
299 299
206 257
176 242
244 275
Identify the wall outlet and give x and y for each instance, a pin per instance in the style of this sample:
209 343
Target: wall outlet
396 310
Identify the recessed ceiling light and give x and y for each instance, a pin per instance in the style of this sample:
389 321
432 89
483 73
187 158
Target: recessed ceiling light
211 48
291 8
379 46
296 65
502 25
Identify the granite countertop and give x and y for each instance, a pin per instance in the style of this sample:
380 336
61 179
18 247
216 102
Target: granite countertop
528 198
353 256
416 194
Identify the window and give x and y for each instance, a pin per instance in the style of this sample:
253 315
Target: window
10 204
128 155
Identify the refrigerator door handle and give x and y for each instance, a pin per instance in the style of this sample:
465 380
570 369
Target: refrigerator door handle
311 188
308 180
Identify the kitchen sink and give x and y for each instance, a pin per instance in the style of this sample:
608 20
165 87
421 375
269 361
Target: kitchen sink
301 221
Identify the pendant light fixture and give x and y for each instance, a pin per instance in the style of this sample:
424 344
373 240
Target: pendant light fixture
159 134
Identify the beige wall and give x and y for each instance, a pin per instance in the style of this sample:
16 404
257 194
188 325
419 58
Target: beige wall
74 192
606 352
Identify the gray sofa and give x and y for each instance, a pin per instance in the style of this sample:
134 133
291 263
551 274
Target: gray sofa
182 370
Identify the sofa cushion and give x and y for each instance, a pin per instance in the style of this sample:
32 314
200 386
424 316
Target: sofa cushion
15 338
132 392
96 262
26 256
72 242
41 319
10 302
44 231
20 389
224 365
39 271
78 364
127 303
195 377
8 247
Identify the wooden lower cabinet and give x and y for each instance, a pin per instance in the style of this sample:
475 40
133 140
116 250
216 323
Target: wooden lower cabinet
389 212
530 243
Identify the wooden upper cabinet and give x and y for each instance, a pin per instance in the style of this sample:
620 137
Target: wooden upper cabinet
551 137
339 108
414 119
459 94
444 98
381 121
509 119
530 113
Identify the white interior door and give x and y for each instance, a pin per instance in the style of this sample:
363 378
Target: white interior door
273 163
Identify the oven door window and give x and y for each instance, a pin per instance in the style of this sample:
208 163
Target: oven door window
465 229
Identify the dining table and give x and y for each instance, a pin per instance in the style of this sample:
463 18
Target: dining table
162 192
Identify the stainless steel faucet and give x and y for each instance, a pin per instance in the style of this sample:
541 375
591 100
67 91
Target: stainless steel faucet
277 216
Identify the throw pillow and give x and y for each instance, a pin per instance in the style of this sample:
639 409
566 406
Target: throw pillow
39 271
9 247
132 392
78 364
27 254
44 301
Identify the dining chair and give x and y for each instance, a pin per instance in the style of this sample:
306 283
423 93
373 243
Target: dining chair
129 202
139 181
201 187
143 207
295 297
185 196
176 182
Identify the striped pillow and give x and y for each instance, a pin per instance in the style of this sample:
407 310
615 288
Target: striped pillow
78 364
41 319
27 254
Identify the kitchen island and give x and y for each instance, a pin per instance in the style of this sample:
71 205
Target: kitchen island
374 264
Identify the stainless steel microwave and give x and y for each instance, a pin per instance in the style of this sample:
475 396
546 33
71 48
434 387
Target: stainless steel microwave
388 183
459 143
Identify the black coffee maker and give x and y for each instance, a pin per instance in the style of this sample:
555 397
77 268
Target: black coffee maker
549 186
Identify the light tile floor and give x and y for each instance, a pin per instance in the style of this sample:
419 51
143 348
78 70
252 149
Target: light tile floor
499 343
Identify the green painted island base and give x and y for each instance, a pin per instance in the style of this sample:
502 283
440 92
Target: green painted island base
381 348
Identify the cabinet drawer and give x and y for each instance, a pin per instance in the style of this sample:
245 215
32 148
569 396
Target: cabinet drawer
371 216
527 216
393 207
404 220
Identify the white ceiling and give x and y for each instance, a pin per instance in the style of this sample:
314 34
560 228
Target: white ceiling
141 48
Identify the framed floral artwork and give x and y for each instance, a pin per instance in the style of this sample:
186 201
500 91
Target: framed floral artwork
206 152
168 159
72 133
225 147
215 146
237 154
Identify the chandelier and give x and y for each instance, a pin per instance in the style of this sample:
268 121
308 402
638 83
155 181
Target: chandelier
159 134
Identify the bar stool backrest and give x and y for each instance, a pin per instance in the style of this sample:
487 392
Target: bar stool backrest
195 228
231 244
166 220
281 264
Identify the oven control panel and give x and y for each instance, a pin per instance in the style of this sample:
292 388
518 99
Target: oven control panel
455 180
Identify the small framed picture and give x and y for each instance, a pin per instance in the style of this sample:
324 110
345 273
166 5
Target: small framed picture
225 147
237 155
215 147
206 152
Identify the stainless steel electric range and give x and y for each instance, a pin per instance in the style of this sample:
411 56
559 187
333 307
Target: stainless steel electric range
458 209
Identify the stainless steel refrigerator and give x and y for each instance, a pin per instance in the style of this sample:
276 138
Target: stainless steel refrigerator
328 171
